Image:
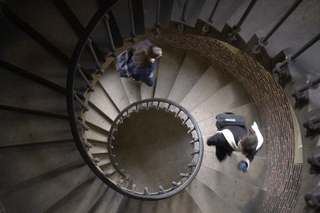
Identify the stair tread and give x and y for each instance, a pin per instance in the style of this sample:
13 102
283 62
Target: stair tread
30 51
191 70
168 70
132 90
210 82
112 84
97 118
27 94
53 22
97 134
29 164
181 202
243 196
229 97
100 100
208 200
256 175
109 202
87 193
22 128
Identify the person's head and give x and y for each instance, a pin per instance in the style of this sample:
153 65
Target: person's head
154 52
249 142
144 53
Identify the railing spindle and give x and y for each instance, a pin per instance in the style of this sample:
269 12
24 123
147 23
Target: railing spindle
133 30
205 28
279 68
263 41
236 28
106 21
89 85
89 43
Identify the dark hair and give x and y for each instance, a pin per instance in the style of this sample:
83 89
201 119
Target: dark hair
249 142
144 52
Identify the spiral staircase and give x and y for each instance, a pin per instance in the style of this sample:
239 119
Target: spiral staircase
44 170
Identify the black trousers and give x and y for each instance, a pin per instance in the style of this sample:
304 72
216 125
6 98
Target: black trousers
222 146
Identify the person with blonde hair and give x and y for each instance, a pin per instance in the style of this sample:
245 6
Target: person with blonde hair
233 135
138 63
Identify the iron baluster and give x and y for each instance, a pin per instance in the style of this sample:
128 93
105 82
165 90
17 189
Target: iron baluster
183 18
84 126
91 88
312 125
263 41
279 68
236 28
146 191
133 30
89 43
299 90
84 106
205 28
161 190
106 21
157 23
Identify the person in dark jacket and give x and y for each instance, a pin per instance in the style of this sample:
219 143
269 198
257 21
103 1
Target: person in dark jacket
139 62
237 138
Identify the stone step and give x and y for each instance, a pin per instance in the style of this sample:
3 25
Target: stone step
191 70
208 200
256 175
229 97
22 128
181 202
87 192
30 51
213 80
169 66
97 134
101 101
30 165
208 127
96 117
27 94
241 195
108 202
44 189
112 85
54 22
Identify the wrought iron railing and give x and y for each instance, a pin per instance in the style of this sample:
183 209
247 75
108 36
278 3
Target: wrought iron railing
193 129
79 88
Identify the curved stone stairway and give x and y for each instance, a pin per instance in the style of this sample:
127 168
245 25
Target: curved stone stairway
217 187
42 170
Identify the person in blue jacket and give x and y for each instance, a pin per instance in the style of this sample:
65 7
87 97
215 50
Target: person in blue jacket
139 62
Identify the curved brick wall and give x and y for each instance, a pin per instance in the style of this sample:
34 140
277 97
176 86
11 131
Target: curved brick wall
273 107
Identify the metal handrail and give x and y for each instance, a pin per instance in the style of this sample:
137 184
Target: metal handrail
78 127
263 41
185 181
71 93
279 68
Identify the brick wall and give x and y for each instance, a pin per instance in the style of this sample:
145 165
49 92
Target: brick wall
284 176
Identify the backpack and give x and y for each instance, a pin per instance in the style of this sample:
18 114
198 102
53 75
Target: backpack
230 119
122 63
